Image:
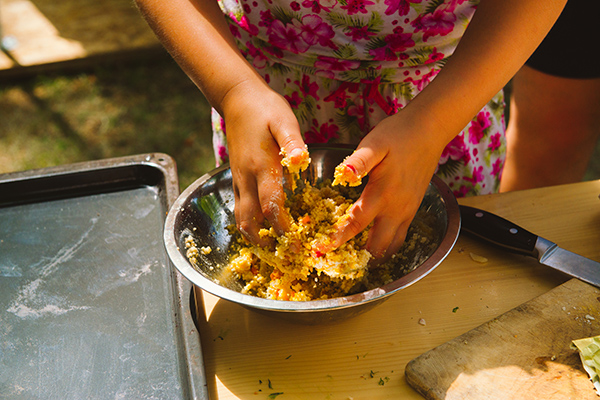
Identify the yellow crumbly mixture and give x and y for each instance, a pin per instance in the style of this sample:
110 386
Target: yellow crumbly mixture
345 175
290 269
297 164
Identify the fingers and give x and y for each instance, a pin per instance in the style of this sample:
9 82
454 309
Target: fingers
272 198
286 133
386 239
260 203
248 215
393 216
257 175
348 226
363 160
389 202
386 235
365 209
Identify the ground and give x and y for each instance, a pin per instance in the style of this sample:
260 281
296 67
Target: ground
108 111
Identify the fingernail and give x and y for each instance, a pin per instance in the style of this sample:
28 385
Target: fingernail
377 254
297 152
345 174
317 254
297 160
320 247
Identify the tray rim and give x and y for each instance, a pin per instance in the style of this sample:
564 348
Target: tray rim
188 335
161 162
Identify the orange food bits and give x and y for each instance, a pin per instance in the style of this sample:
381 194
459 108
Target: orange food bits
346 175
296 161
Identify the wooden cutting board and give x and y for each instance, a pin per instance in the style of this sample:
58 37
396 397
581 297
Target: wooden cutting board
523 354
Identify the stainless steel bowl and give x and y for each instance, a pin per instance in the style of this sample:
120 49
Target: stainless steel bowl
205 210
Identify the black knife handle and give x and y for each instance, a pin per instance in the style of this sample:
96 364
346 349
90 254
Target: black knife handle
498 231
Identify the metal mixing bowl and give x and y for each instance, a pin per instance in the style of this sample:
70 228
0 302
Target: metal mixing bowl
205 210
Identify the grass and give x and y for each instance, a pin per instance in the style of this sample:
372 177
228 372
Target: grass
112 111
106 112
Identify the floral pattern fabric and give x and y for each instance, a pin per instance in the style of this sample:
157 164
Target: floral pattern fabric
344 65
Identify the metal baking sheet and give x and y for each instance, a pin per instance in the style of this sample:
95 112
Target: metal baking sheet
90 305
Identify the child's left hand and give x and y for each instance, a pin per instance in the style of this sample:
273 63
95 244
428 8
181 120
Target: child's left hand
400 158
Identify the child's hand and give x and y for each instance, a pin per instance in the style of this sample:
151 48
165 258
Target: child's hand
400 160
259 124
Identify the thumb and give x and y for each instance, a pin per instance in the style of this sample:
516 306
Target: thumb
357 165
361 213
292 146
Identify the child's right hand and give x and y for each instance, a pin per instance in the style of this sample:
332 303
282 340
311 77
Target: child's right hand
259 123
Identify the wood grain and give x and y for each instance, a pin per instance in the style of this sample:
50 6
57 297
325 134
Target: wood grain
243 350
523 354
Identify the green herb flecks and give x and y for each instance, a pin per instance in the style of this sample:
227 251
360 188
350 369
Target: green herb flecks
383 381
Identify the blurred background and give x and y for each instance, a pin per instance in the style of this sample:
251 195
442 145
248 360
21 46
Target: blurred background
83 80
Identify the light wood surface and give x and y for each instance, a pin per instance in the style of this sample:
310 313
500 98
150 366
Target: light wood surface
251 356
523 354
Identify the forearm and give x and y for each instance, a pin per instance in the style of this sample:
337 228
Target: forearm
197 36
500 38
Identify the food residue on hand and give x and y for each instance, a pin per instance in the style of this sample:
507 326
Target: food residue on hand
297 162
345 174
293 268
294 164
290 271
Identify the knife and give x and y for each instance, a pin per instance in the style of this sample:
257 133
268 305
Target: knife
515 239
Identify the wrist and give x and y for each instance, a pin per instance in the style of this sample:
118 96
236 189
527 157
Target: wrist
240 94
423 130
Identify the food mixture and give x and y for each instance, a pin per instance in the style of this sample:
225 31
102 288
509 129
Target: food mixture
290 269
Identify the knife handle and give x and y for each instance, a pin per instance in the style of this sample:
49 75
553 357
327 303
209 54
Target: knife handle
498 231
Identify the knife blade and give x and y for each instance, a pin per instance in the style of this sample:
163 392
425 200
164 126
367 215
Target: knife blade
510 236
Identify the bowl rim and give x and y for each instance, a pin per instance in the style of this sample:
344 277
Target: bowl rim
182 264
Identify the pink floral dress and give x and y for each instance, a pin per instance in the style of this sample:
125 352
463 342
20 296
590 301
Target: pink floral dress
344 65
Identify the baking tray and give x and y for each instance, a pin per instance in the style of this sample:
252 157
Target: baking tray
90 305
